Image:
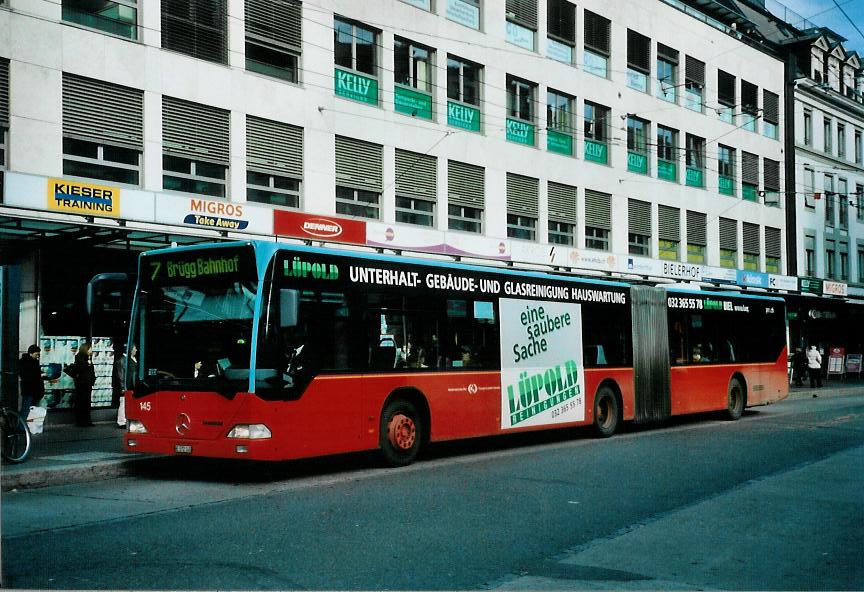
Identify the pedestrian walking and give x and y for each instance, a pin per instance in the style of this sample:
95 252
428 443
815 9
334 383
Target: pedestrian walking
32 385
814 365
85 377
799 366
128 368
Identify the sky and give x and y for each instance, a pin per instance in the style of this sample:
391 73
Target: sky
826 14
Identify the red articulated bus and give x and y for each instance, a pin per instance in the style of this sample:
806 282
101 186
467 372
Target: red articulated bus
268 351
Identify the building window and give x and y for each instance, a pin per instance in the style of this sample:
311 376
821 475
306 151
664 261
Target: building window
413 76
597 238
355 48
669 232
770 115
773 250
561 30
463 93
859 200
830 255
193 176
841 140
667 73
521 227
667 153
639 227
637 145
696 237
726 169
695 157
465 219
808 127
751 246
844 262
272 189
521 97
597 44
728 243
559 122
694 84
638 60
749 105
809 255
118 17
274 162
598 220
771 182
464 12
750 176
274 37
357 202
809 188
827 127
521 23
359 178
102 130
101 161
859 147
424 4
830 197
561 233
466 188
860 264
596 125
198 28
843 203
522 206
416 188
726 96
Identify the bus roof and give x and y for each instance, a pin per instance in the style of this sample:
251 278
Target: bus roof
265 250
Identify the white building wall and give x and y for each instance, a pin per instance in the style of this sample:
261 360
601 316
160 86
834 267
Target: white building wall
41 49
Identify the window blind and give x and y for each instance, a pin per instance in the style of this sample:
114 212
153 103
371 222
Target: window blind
771 107
524 12
725 88
416 175
597 33
195 131
4 93
750 237
669 223
638 52
466 184
772 174
749 168
696 234
749 97
694 71
667 53
562 202
196 27
359 164
561 20
729 234
598 209
639 217
273 146
103 112
275 21
773 246
522 195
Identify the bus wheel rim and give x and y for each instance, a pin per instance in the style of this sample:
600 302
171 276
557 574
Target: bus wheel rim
603 413
401 432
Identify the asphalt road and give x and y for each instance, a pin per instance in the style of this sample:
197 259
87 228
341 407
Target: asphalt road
773 501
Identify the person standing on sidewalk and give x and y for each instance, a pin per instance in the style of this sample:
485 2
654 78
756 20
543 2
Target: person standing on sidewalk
32 385
814 366
128 366
85 378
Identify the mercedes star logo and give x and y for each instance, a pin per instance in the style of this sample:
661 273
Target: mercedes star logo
184 424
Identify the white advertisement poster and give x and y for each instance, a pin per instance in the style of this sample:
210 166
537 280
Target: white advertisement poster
542 373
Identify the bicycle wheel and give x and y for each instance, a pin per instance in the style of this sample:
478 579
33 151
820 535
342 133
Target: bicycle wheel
17 440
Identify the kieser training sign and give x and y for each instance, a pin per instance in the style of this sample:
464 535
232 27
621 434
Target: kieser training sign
72 197
542 374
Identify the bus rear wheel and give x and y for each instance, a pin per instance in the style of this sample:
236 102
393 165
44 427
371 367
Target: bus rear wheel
606 412
400 432
735 400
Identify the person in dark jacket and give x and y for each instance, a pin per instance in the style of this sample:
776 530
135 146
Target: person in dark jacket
32 385
85 378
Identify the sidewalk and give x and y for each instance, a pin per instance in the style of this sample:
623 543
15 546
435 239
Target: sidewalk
64 453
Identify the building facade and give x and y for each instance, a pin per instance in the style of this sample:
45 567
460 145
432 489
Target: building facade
640 139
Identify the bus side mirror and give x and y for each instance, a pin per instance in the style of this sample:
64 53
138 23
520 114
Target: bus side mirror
288 304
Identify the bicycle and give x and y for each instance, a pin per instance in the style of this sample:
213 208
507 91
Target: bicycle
17 442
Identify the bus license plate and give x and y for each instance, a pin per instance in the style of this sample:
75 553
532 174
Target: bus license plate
183 449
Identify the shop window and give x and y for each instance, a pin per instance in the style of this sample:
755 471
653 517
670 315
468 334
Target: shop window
198 28
117 17
272 189
465 218
274 38
193 176
357 202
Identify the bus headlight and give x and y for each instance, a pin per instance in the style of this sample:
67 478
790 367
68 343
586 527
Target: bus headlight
255 431
135 427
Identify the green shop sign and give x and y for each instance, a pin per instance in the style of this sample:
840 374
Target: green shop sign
411 102
560 143
667 171
356 87
463 116
749 192
727 186
520 132
637 163
694 177
596 152
810 286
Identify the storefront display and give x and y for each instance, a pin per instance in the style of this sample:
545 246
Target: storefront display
57 353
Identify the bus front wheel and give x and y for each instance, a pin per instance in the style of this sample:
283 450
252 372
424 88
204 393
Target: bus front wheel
735 400
400 433
606 412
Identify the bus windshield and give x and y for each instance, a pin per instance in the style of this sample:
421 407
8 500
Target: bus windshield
195 315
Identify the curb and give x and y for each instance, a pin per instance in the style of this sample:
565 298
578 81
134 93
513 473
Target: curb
69 474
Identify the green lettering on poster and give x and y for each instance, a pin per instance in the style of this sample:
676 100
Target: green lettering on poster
520 132
596 152
637 163
463 116
667 170
356 87
727 186
559 143
412 103
694 177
